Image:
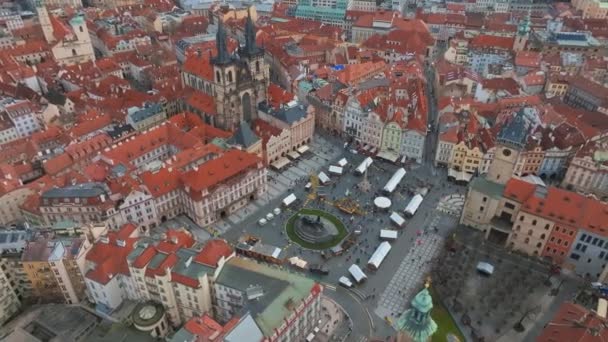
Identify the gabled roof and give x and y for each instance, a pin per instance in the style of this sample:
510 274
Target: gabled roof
109 254
484 41
213 251
573 322
216 171
244 136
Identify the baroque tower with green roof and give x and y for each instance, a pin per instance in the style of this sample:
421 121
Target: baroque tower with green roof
523 33
416 322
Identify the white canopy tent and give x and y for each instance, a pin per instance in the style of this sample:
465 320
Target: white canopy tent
303 149
279 164
396 178
342 162
357 273
387 234
323 178
379 255
287 201
397 219
335 169
390 156
293 155
382 202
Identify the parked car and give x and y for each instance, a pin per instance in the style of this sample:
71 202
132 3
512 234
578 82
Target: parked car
318 269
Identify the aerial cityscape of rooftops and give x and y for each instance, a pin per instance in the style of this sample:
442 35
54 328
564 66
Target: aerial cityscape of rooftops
303 170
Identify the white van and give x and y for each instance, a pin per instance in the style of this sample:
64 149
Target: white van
276 211
344 281
269 216
262 222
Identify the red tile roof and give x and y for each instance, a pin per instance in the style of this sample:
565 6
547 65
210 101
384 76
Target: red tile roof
528 59
484 41
213 251
206 328
110 258
518 190
216 171
202 102
278 96
573 322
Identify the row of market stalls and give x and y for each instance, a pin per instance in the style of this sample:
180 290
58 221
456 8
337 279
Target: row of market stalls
291 156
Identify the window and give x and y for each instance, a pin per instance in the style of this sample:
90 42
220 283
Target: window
80 28
509 205
257 66
594 242
481 208
217 76
602 253
547 226
534 222
230 76
73 52
521 218
575 256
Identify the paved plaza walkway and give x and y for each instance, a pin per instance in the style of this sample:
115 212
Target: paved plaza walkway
280 183
408 277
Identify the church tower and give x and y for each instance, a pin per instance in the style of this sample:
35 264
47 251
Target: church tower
523 33
45 22
416 322
240 80
511 140
225 74
252 59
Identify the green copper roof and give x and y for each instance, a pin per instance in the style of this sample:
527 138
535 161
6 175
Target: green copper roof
423 301
77 20
282 290
417 321
485 186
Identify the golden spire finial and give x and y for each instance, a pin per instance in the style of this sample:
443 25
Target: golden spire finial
427 284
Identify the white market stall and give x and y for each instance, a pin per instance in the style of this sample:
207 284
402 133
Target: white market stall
342 162
297 262
323 178
287 201
364 165
382 202
303 149
388 234
335 170
397 219
293 155
379 255
357 274
392 183
413 206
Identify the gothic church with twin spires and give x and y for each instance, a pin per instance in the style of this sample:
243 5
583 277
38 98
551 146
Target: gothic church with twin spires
229 85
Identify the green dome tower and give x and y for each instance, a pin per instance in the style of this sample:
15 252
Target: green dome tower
416 322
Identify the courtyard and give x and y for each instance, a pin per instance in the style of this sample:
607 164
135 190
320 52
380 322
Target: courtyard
494 307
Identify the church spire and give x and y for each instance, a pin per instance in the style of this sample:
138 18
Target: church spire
251 47
223 57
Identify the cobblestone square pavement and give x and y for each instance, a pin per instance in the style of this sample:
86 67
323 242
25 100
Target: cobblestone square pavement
409 276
